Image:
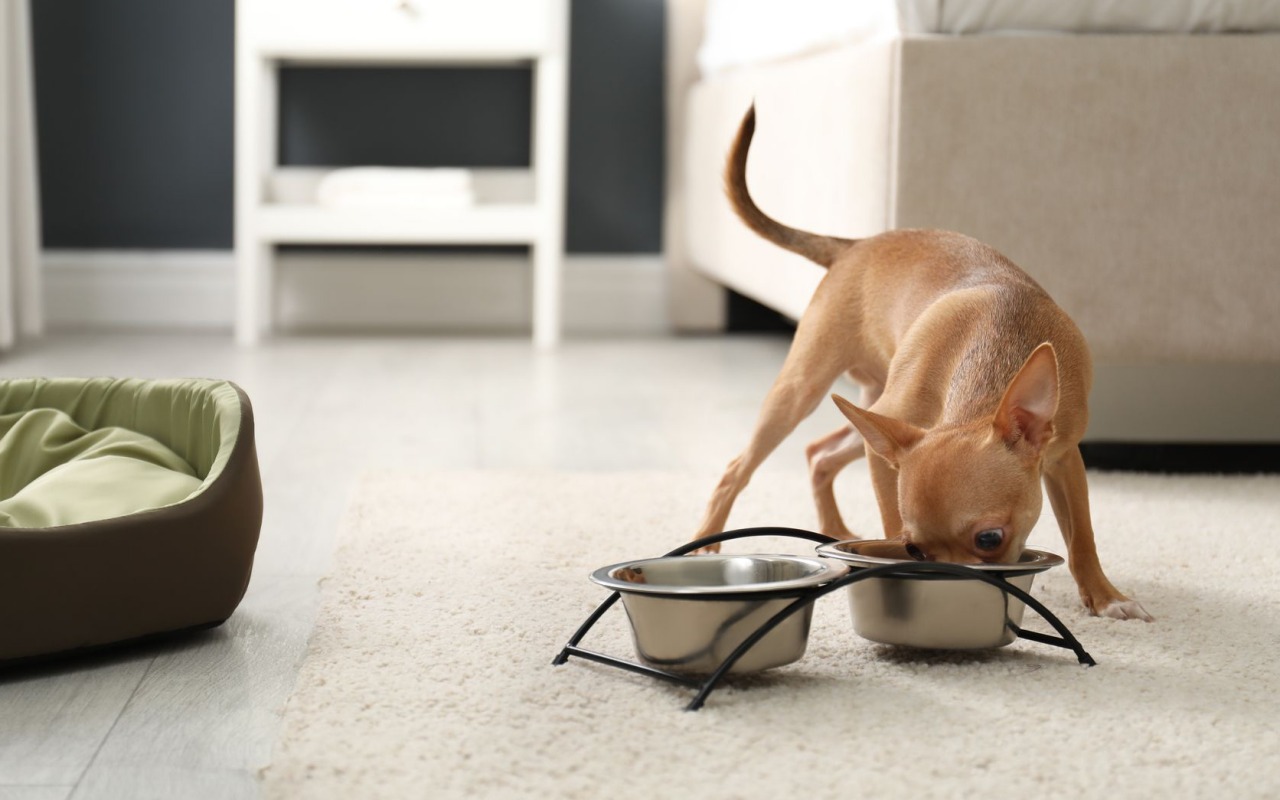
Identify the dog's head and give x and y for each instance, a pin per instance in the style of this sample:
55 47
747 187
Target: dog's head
970 493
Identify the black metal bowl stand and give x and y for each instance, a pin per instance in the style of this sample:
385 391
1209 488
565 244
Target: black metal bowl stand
705 686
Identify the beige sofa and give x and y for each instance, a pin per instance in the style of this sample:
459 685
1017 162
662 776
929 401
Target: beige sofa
1137 177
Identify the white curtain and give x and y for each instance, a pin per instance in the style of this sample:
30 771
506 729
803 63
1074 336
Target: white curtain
21 312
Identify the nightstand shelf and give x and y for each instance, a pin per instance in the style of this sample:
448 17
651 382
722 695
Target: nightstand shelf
504 213
276 205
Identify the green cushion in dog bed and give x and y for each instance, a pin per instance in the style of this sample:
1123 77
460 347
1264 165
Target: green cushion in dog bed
58 473
128 509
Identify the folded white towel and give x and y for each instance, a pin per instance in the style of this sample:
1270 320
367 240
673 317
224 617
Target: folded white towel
396 187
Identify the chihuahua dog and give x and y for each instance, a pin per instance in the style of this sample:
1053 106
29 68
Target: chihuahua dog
974 384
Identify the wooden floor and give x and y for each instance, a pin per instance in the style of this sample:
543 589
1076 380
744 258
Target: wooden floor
197 717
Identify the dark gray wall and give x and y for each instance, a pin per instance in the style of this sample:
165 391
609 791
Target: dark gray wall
135 101
134 120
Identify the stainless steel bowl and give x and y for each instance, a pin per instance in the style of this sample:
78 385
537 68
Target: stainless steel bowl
689 613
935 611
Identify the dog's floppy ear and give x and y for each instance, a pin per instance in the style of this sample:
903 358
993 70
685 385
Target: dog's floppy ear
1025 415
887 436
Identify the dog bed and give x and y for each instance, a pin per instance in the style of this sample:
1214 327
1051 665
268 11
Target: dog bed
128 509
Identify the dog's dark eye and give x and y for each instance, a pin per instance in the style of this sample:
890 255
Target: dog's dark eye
989 540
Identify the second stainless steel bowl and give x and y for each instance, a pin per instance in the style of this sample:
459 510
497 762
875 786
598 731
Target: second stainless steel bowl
934 611
689 613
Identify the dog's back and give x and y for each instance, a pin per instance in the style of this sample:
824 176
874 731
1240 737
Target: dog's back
898 294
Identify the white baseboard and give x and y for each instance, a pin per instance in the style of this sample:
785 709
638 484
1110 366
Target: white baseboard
464 292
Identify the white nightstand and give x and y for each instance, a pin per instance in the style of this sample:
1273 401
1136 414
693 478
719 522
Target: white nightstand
276 205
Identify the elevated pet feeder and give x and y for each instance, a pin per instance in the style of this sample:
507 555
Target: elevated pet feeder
738 601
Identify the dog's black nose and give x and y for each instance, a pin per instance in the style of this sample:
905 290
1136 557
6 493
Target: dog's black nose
915 552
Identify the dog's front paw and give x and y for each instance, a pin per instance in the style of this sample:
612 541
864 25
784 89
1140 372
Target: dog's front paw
1105 601
709 550
1125 609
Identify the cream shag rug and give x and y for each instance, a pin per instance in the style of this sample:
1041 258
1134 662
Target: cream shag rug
429 672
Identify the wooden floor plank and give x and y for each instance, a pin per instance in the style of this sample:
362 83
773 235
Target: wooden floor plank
203 720
34 792
54 718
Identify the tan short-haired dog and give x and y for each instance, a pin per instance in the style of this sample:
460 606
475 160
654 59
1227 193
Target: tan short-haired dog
975 383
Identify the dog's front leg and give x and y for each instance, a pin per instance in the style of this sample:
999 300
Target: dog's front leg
884 479
1068 489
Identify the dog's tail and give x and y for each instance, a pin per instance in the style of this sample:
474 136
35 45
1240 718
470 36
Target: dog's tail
815 247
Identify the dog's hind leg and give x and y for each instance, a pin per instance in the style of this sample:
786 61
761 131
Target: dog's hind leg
794 396
827 456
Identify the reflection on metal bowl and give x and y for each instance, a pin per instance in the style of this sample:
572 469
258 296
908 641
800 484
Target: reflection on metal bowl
934 610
